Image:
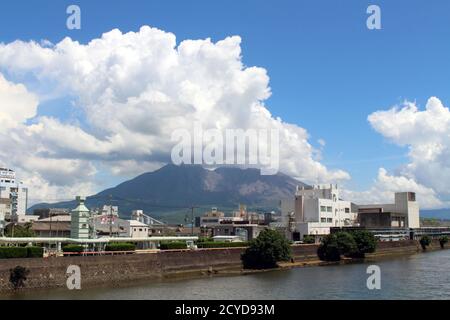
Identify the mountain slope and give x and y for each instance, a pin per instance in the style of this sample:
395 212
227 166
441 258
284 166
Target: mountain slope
173 188
442 214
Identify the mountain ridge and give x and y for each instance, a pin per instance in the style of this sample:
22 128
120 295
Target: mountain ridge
172 188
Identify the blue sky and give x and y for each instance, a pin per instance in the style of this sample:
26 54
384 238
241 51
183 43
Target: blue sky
328 72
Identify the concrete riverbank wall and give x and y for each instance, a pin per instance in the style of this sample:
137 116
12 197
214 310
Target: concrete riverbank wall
124 269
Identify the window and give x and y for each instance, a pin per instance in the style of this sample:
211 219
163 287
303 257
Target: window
329 209
140 229
347 210
330 220
323 219
322 208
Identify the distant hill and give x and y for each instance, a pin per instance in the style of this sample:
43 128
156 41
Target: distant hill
174 188
441 214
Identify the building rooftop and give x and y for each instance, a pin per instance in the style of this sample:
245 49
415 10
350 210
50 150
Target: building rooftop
62 218
135 223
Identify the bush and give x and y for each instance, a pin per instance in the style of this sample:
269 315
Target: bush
35 252
120 246
172 245
308 239
425 241
346 243
333 246
18 276
365 242
73 248
13 252
265 251
204 239
443 241
213 244
21 252
329 249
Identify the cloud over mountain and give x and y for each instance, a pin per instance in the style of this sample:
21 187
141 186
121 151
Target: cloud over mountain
133 90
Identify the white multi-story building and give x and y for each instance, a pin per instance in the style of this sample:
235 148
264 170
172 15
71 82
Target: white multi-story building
79 224
316 209
13 195
110 210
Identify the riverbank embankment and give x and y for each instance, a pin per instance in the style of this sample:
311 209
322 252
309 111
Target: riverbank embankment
47 273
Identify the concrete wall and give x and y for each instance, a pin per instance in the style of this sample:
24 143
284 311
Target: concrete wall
112 270
104 270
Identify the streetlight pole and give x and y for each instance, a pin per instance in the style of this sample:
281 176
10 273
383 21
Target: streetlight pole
110 215
192 221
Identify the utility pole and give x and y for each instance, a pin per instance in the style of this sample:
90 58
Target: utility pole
50 214
110 215
192 220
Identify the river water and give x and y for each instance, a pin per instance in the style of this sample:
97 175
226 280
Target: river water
419 276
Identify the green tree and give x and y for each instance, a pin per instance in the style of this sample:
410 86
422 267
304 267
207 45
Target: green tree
266 250
334 245
443 241
24 231
425 241
18 276
365 242
329 249
347 244
309 239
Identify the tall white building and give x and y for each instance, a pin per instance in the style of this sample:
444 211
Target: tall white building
13 195
316 209
79 225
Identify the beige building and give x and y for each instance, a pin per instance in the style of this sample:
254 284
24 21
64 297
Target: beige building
137 229
403 213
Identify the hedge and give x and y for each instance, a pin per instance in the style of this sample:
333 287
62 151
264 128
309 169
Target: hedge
35 252
13 252
72 248
172 245
21 252
221 244
120 247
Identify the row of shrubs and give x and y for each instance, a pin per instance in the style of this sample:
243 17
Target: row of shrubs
213 244
174 245
425 241
119 246
21 252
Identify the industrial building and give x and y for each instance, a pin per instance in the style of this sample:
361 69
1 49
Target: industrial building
53 227
317 209
403 213
314 210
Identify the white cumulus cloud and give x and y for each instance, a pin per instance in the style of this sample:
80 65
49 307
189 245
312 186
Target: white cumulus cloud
427 135
134 89
385 186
